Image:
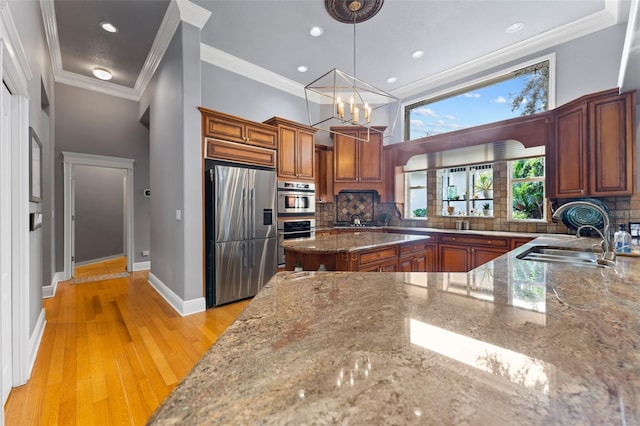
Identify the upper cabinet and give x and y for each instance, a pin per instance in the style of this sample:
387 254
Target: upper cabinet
592 151
229 128
357 165
235 139
296 150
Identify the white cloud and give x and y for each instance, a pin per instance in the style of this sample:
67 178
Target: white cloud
427 112
500 100
451 117
472 95
417 123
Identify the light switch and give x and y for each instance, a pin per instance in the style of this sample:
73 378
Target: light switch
178 214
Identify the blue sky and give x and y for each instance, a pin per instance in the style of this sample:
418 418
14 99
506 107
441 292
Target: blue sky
479 106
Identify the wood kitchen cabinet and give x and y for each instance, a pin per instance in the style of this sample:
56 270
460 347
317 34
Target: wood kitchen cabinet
237 140
324 174
592 152
357 165
296 150
235 129
417 257
462 253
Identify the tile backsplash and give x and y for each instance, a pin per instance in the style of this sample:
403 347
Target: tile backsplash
355 203
622 210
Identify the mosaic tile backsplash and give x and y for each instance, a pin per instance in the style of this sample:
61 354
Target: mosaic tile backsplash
355 203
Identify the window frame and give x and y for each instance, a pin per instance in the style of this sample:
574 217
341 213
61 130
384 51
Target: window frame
476 83
511 181
407 189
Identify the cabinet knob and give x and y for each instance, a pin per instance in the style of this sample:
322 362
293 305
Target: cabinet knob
582 191
489 242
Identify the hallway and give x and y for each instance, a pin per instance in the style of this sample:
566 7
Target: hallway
112 350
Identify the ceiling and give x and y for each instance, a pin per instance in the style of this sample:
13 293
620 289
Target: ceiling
268 40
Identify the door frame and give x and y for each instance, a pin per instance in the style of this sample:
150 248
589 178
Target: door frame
71 159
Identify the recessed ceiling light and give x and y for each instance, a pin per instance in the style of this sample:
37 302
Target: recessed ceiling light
316 31
392 79
515 27
303 68
109 27
102 73
417 54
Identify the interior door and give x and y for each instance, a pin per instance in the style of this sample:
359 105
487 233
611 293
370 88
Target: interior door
6 358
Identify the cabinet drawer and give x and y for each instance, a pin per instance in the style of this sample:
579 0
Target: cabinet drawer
474 241
378 255
410 248
240 153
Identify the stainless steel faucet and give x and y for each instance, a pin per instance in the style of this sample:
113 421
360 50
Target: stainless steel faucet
608 254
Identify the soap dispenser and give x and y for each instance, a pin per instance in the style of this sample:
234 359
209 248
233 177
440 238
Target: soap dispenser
622 239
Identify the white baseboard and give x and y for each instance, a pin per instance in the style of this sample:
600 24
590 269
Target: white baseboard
141 266
50 290
36 339
183 307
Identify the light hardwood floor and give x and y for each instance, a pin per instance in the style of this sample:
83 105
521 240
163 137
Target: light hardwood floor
111 352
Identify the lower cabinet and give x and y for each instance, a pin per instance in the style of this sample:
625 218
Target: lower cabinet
464 253
417 258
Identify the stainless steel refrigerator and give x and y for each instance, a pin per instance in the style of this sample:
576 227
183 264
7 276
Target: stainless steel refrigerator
240 230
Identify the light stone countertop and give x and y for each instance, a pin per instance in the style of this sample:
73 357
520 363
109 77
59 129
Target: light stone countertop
352 241
511 342
424 230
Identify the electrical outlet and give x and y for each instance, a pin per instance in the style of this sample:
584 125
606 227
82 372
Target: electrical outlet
145 252
178 214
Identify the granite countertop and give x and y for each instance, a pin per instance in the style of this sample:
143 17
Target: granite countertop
511 342
350 242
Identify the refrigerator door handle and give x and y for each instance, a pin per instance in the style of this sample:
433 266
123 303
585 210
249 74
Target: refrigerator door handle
252 201
244 208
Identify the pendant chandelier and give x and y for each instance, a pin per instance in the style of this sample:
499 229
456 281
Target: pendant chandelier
344 100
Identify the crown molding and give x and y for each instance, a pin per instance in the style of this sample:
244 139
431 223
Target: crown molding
178 10
582 27
247 69
192 14
17 69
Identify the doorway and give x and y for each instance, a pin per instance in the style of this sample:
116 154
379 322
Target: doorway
99 218
74 164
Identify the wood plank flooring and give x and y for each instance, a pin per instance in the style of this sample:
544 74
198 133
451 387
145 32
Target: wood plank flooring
111 352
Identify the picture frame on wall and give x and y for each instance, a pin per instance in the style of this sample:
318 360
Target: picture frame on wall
35 167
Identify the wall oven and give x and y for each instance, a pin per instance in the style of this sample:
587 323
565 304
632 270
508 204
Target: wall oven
296 199
293 228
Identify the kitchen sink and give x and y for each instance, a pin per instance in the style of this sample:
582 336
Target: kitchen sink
563 255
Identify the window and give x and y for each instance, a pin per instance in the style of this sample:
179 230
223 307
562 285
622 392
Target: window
416 194
467 191
526 189
507 95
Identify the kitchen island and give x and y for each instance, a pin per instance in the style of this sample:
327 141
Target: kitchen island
511 342
355 251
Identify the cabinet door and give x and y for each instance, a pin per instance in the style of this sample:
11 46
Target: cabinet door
389 267
454 258
305 155
570 153
431 258
370 158
260 136
223 128
480 256
420 263
287 152
406 264
611 146
344 159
